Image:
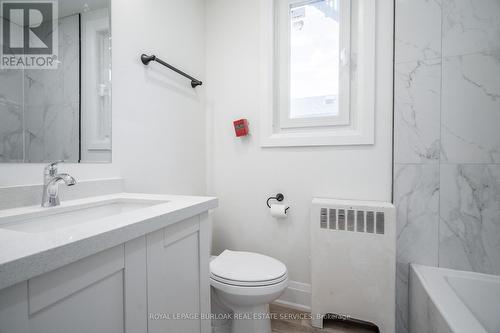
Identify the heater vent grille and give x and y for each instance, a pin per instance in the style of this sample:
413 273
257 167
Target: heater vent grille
353 258
353 220
323 218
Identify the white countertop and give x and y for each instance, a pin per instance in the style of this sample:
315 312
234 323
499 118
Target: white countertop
25 255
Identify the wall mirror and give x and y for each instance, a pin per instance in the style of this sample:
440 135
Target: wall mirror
55 81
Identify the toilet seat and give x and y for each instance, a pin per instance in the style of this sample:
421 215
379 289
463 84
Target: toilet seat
247 269
248 284
250 291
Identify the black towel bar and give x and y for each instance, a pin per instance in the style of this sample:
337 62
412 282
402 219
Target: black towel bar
147 59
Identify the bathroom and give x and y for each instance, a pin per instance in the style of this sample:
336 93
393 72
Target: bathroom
198 202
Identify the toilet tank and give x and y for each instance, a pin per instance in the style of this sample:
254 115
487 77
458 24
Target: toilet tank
353 261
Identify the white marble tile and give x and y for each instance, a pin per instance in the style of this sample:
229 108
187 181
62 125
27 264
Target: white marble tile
418 30
470 218
52 102
416 196
417 105
11 116
11 113
446 114
470 26
52 132
471 109
39 109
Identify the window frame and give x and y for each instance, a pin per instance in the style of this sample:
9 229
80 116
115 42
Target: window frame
361 130
283 66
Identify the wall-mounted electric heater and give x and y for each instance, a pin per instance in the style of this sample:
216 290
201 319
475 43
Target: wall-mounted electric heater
353 263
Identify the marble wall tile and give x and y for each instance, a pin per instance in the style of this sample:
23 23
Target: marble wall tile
417 105
52 132
470 26
424 42
471 109
416 196
447 116
470 218
52 102
11 115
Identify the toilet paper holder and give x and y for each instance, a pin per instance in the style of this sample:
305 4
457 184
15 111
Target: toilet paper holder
279 197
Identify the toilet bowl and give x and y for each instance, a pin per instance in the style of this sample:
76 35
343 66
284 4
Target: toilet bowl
246 283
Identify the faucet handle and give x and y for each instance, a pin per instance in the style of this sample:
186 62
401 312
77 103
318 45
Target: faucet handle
52 167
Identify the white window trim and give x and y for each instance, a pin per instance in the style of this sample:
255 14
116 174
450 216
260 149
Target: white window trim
361 129
93 116
282 71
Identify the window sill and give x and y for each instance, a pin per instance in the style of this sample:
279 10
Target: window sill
309 139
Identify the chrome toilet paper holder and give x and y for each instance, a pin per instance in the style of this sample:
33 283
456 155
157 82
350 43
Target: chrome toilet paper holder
279 197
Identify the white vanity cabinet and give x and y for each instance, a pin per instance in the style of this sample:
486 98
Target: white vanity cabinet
133 287
178 265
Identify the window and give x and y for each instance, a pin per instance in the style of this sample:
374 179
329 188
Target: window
313 62
318 72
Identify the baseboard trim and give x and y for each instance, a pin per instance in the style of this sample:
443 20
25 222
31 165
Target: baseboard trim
297 296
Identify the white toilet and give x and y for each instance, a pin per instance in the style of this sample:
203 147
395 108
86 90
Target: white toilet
246 283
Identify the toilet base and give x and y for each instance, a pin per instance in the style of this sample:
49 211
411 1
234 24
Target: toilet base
254 319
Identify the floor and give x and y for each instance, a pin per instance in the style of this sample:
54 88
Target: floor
285 320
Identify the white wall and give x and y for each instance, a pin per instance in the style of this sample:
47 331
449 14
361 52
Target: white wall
158 119
243 175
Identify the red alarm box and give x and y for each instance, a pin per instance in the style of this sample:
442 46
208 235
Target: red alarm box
241 127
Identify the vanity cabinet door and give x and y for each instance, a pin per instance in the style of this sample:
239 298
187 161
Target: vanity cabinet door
177 278
85 296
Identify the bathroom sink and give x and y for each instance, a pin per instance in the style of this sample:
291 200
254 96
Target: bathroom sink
35 240
48 219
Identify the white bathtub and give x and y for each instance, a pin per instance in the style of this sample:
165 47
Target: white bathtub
450 301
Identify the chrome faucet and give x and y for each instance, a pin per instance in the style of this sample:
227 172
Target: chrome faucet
51 181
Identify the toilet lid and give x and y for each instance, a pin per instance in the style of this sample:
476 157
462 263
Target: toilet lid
246 267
